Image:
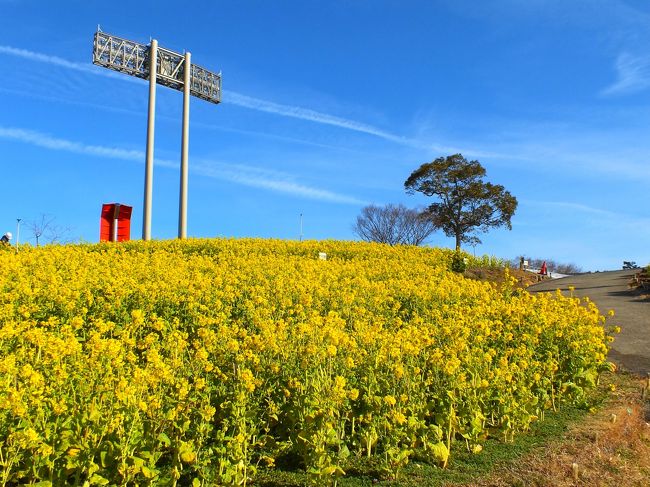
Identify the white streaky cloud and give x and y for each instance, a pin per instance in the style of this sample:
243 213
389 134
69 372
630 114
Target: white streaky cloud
308 114
45 58
228 97
67 101
266 135
207 126
572 206
236 173
245 101
633 75
590 210
64 63
48 142
259 178
233 98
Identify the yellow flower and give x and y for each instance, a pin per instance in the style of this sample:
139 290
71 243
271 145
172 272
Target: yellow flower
263 323
399 418
390 400
248 379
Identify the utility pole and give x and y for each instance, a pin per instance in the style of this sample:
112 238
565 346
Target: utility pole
17 232
301 227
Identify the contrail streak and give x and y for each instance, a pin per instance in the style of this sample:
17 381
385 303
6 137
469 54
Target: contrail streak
240 174
229 97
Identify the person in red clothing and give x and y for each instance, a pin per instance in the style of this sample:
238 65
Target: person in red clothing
543 271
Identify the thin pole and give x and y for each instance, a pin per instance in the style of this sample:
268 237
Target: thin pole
148 172
116 216
18 231
301 227
182 212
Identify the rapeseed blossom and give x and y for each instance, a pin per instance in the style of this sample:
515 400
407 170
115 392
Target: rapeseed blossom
163 362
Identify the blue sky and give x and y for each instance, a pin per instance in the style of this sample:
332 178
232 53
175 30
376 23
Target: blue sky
328 106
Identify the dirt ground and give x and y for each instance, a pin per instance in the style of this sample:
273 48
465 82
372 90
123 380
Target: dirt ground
608 448
524 279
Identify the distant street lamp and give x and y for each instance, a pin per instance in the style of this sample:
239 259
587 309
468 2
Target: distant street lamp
17 231
301 227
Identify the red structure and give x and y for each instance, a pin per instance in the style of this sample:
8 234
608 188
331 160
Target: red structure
115 223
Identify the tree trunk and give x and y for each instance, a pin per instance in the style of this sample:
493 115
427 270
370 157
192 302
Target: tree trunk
458 239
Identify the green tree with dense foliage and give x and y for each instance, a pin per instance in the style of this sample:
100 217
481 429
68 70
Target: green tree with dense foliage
466 203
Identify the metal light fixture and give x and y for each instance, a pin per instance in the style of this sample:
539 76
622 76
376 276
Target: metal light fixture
170 69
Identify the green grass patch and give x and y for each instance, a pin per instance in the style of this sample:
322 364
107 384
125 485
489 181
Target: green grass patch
463 466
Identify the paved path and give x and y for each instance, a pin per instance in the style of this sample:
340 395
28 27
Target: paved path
609 290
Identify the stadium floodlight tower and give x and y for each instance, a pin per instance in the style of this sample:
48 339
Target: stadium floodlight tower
170 69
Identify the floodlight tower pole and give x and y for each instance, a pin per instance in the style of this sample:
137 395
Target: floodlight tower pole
182 206
148 172
171 69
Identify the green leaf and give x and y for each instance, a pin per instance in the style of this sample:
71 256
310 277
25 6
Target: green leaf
164 439
440 452
344 452
332 470
147 472
147 455
98 480
92 468
196 483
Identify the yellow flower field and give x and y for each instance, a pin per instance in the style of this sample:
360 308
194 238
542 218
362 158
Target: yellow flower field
202 362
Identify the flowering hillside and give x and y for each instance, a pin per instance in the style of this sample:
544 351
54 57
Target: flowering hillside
201 362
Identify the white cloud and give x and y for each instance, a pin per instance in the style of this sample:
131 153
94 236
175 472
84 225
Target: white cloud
565 205
327 119
598 214
236 173
64 63
44 58
42 140
245 101
231 97
260 178
312 116
633 75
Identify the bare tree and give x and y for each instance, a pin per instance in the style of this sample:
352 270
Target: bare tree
567 268
551 265
393 225
45 227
